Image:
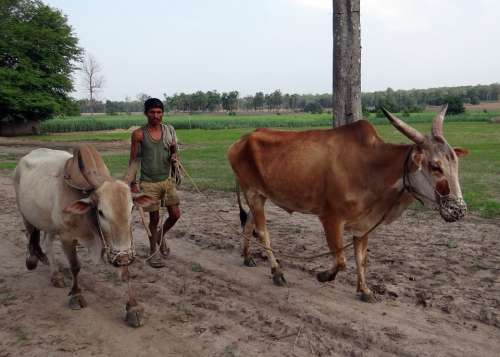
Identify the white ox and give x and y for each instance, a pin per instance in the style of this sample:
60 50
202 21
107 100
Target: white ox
99 220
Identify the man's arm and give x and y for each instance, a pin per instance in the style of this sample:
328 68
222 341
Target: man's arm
137 137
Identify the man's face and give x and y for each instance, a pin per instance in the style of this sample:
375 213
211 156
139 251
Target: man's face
155 116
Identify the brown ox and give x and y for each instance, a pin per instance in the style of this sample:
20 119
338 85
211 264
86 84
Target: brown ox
348 177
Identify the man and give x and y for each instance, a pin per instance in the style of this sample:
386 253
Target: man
155 144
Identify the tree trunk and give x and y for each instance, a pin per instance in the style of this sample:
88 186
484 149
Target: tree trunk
346 62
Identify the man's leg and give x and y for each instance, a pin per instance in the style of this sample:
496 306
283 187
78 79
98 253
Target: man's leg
174 213
155 259
155 191
154 220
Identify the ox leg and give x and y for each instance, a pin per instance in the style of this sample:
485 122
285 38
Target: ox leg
76 300
333 230
361 253
56 277
256 203
247 236
34 251
134 311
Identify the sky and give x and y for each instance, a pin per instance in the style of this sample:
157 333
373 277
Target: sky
173 46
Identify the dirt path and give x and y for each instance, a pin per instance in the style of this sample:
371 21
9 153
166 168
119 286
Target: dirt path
438 287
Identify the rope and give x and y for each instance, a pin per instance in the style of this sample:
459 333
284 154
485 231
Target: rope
182 171
277 253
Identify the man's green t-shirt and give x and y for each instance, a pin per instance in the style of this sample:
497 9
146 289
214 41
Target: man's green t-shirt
155 155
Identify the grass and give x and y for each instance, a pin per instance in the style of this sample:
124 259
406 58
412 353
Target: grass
73 124
7 165
205 157
299 120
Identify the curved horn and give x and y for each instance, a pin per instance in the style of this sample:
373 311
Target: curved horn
131 171
91 165
437 123
405 129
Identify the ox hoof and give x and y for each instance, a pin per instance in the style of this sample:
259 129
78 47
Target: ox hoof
368 297
57 280
249 262
326 276
77 302
134 316
31 262
164 250
278 277
43 258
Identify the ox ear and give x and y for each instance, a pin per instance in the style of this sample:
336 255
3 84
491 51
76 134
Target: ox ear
460 152
417 157
142 200
79 207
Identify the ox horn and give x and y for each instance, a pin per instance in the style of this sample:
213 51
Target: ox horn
131 171
91 166
437 123
410 132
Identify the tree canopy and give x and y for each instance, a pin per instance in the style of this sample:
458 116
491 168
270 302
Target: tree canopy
38 52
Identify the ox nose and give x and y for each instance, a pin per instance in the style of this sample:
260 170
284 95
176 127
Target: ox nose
122 259
452 209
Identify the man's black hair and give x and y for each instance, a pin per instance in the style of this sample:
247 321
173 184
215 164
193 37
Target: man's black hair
152 103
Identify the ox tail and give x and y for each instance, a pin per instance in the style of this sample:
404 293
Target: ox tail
243 213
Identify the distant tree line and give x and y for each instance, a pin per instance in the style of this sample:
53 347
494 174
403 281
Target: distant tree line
413 100
213 101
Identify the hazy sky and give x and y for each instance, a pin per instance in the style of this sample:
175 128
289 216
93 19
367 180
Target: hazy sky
168 46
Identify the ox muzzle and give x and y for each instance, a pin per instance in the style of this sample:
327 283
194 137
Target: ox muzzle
452 209
120 258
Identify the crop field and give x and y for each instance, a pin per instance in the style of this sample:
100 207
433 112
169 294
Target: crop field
302 120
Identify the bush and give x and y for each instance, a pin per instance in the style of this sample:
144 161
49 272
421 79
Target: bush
313 108
455 105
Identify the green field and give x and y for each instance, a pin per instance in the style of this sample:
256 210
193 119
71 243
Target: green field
204 156
299 120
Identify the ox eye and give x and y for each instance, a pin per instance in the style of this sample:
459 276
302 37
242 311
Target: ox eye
435 168
100 213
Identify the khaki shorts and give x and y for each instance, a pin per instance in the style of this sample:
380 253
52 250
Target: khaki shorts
162 192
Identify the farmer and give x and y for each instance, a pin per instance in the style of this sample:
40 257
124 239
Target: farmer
155 144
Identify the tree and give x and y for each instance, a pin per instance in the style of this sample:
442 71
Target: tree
38 51
293 101
213 100
258 101
199 101
276 99
455 105
230 101
346 62
93 80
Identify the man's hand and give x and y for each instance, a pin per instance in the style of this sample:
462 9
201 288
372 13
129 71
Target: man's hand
173 157
134 187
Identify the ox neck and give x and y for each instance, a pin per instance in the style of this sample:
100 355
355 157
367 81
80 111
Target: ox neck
392 161
393 164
